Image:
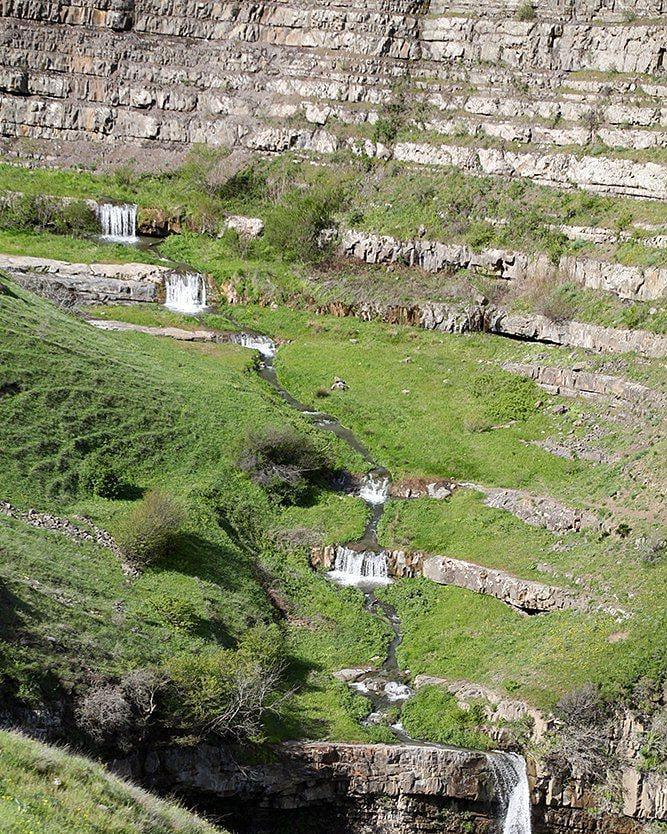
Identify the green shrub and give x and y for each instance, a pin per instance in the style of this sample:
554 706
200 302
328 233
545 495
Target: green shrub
526 12
286 463
98 476
29 212
228 691
151 529
503 397
294 227
432 714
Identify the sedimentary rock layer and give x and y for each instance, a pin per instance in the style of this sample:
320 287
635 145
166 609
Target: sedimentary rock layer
632 282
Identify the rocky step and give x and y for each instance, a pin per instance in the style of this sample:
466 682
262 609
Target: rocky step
523 595
90 534
630 282
87 283
576 382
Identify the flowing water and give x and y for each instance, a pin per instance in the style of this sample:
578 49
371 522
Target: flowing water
512 781
185 292
365 568
118 222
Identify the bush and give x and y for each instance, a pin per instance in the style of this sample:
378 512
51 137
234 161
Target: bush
66 217
225 691
286 463
501 399
583 736
105 714
294 227
433 714
98 476
151 529
526 12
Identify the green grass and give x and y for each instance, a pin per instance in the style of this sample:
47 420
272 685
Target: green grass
47 790
174 416
457 634
65 248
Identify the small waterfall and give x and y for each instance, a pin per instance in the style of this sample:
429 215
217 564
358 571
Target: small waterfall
375 489
364 567
118 222
512 780
186 292
265 346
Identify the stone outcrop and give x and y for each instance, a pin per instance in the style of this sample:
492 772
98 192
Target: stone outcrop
538 511
631 282
88 283
353 788
523 594
576 382
471 318
165 74
364 789
177 333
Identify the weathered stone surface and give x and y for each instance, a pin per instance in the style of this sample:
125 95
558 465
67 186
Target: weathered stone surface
87 283
632 282
523 594
177 333
538 511
575 382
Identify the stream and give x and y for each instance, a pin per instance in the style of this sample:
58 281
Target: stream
361 563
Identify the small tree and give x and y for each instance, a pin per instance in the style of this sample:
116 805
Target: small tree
105 714
151 529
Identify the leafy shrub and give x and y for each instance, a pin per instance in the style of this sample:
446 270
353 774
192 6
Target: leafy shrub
151 529
526 12
228 691
582 740
286 463
27 212
502 398
98 476
433 714
294 227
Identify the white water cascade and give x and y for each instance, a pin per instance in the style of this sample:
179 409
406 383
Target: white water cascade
186 292
375 489
118 222
364 567
266 347
512 779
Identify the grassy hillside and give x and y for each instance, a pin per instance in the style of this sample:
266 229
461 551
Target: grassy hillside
173 416
45 790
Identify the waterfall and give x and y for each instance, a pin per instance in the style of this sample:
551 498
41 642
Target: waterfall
512 780
375 489
186 292
365 567
266 346
118 223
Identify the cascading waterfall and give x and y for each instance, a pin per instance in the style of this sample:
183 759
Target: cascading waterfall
118 222
352 567
375 489
265 346
186 292
512 780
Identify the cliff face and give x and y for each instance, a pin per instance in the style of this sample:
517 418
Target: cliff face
273 76
359 789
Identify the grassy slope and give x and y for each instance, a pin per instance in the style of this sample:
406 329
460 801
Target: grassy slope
45 790
65 248
448 631
171 415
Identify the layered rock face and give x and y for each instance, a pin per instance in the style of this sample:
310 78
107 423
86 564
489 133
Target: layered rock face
273 76
361 789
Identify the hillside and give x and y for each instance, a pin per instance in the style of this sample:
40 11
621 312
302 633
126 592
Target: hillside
46 790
